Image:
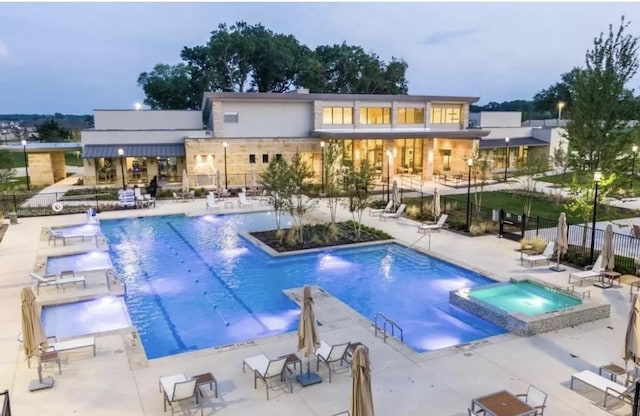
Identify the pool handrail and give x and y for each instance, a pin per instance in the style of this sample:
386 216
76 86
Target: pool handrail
386 320
110 273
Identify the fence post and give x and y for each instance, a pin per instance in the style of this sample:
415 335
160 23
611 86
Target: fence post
524 224
15 203
96 196
537 225
421 199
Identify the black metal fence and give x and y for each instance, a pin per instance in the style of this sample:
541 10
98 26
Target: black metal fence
34 204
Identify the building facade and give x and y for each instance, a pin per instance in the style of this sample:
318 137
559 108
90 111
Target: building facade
237 134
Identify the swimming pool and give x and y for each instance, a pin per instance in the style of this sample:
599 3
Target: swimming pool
194 283
81 262
526 298
81 229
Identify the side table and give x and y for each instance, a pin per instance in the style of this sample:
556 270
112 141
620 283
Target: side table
612 276
207 378
613 370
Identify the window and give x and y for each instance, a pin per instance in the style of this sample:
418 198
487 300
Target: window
446 159
231 117
375 115
337 115
265 158
252 158
445 115
278 156
410 115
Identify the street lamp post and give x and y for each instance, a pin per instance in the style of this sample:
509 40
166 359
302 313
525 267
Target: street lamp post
121 154
506 157
322 173
634 149
26 162
560 107
226 181
470 164
597 175
389 156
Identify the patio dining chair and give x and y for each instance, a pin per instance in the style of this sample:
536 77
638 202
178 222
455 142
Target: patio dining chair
535 398
177 389
330 354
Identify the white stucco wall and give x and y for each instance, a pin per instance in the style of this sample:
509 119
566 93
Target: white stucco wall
486 119
512 132
147 120
138 136
262 119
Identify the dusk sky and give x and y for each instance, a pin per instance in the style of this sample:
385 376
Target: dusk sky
77 57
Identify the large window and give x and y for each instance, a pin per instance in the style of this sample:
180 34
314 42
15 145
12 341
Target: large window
445 115
410 115
337 115
375 115
105 170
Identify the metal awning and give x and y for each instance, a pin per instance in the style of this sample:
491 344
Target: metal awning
513 142
134 150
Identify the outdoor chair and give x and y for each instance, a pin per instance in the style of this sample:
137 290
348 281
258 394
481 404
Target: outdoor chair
380 211
590 272
242 200
329 354
635 230
265 369
56 281
545 256
178 388
396 214
535 398
177 198
212 203
57 235
434 227
476 413
150 200
606 385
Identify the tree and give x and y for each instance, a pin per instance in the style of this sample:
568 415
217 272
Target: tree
548 99
560 161
358 183
601 104
297 203
332 157
6 166
275 180
529 173
169 87
481 171
51 131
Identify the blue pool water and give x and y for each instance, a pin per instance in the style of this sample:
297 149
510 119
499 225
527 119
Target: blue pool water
525 297
83 318
83 262
194 283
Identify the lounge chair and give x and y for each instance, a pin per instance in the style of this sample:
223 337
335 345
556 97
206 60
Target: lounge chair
242 200
396 214
590 272
141 202
608 386
73 344
329 354
212 203
58 235
545 256
178 198
380 211
535 398
178 388
265 368
434 227
56 281
472 413
635 230
150 200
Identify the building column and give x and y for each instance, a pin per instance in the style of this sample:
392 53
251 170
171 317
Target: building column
427 158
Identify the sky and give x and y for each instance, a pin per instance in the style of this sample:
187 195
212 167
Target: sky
73 58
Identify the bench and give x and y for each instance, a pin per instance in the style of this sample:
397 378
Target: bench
73 344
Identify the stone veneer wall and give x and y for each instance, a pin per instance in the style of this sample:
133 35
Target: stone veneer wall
46 168
460 151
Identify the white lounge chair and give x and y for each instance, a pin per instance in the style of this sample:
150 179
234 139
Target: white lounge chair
329 354
434 227
58 235
242 200
545 256
212 203
380 211
396 214
73 344
55 281
178 388
592 271
265 368
608 386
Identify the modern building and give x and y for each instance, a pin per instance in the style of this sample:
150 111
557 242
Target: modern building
237 134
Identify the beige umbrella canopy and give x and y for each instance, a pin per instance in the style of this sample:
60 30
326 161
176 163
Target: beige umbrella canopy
632 338
561 241
395 194
32 332
361 398
185 181
308 338
435 205
608 256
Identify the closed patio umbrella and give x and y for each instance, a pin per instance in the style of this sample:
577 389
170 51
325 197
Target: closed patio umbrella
254 180
361 397
608 256
435 205
308 337
632 338
33 336
185 181
218 182
561 241
395 194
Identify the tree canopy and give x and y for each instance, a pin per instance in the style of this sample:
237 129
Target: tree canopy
51 131
252 58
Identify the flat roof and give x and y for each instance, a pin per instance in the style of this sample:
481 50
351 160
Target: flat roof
513 141
37 147
398 133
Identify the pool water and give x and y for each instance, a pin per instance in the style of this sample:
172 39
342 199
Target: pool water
83 262
194 283
87 317
82 229
525 297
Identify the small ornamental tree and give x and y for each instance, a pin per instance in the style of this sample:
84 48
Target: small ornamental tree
332 157
6 166
358 183
297 203
276 181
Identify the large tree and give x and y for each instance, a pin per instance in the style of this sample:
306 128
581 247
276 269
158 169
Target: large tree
243 57
562 91
51 131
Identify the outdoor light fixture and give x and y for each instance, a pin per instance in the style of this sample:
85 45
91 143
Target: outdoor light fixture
226 182
389 157
137 106
26 162
470 164
560 107
597 176
322 173
506 157
634 149
121 154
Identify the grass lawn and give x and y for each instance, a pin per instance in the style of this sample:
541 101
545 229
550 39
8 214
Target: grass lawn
567 178
16 181
70 159
541 206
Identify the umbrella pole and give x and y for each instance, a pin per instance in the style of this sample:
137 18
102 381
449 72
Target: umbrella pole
557 266
309 378
40 383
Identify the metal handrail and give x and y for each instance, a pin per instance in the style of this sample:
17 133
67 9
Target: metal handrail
386 320
413 182
110 273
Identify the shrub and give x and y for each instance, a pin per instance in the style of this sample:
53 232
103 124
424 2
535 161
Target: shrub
538 244
524 243
333 233
292 236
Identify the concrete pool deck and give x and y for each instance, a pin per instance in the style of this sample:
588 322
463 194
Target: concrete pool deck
119 380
